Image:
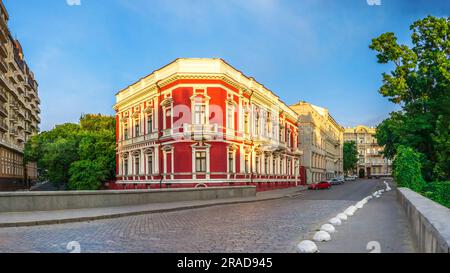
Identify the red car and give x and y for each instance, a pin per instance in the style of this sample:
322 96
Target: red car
324 185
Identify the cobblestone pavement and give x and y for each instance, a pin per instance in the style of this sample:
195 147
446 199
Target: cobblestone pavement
268 226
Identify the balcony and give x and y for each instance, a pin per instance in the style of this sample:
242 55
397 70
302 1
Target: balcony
20 77
28 129
13 132
12 77
20 138
135 140
13 119
3 66
196 131
3 110
3 52
3 96
20 125
3 35
3 126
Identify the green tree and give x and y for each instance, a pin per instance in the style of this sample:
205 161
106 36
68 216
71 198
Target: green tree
407 169
420 83
350 156
80 157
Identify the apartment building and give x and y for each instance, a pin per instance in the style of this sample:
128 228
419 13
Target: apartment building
321 139
19 108
371 162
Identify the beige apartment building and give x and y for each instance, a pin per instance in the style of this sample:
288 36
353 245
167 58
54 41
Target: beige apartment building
371 162
321 139
19 107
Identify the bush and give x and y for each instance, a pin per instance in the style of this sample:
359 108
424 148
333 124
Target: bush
438 192
407 169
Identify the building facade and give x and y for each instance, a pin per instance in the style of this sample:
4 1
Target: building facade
371 162
202 123
19 108
321 140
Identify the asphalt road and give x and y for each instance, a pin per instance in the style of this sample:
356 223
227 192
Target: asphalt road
268 226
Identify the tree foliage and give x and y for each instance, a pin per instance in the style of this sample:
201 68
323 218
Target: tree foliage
420 83
407 169
350 156
78 156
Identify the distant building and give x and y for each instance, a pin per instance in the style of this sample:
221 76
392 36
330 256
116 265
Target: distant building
321 139
202 123
19 109
371 162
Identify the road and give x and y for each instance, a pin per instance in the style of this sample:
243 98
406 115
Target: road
268 226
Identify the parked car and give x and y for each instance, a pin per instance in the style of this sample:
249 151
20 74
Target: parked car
335 181
350 178
341 179
324 185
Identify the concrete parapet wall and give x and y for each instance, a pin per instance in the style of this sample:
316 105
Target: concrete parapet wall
48 201
430 221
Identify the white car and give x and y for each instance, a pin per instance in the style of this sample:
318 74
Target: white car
335 181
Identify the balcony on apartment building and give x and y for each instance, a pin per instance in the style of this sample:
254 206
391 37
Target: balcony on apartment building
3 125
3 35
3 51
3 95
3 110
13 131
3 66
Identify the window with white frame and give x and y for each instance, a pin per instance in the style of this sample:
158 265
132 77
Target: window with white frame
266 165
247 163
274 166
199 114
125 166
257 163
137 128
231 162
150 163
289 168
257 124
230 117
137 165
200 161
125 131
149 123
246 124
289 137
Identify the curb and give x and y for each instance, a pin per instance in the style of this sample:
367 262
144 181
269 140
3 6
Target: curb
134 213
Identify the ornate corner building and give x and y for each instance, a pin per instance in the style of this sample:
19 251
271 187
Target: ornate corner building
19 108
202 123
371 162
322 141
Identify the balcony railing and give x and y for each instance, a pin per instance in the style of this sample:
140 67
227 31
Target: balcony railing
139 139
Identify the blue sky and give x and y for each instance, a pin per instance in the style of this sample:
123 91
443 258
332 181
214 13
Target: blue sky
312 50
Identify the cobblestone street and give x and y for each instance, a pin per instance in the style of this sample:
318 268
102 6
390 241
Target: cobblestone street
269 226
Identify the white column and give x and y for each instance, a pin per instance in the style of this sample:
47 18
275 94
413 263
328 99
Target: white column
142 162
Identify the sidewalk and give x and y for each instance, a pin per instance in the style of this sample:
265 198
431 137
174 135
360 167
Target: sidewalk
33 218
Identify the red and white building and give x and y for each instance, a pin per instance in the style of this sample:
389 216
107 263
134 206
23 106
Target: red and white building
202 123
